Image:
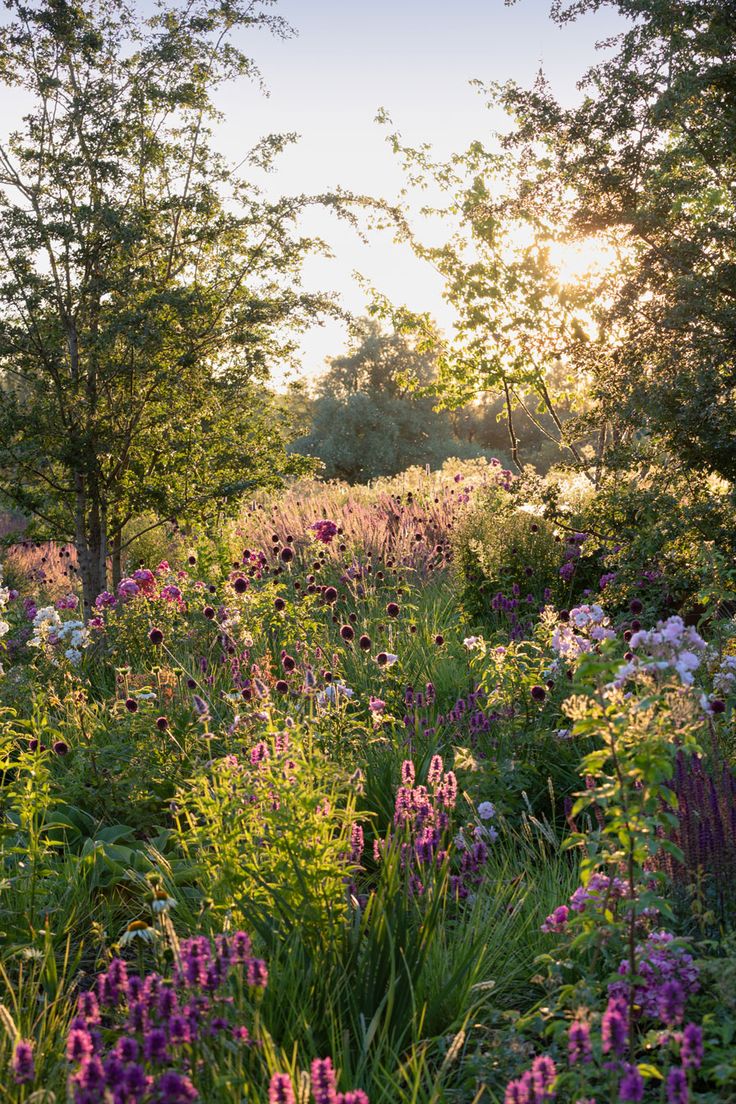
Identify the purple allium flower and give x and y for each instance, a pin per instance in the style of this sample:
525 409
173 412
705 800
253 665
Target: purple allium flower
677 1091
128 588
280 1089
631 1088
538 693
324 531
578 1043
392 609
156 637
60 747
131 705
22 1064
323 1081
162 723
279 604
691 1051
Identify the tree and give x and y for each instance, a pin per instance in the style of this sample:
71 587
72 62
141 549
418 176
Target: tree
366 419
519 325
650 157
145 286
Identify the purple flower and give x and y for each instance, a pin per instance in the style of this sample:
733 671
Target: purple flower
22 1063
557 920
543 1076
323 1081
614 1031
631 1089
691 1051
578 1043
154 1045
280 1089
175 1088
671 1002
677 1092
79 1045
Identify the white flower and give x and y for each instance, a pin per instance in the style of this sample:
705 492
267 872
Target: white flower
471 642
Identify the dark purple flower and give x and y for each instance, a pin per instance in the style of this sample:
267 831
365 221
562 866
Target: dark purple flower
279 604
631 1088
677 1092
691 1051
156 637
131 705
240 585
60 747
538 693
392 609
614 1031
347 632
22 1063
174 1088
154 1045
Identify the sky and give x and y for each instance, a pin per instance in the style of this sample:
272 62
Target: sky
415 58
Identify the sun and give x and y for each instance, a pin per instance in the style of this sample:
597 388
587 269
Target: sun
580 260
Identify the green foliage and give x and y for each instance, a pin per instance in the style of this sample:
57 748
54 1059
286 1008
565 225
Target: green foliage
647 158
366 422
153 304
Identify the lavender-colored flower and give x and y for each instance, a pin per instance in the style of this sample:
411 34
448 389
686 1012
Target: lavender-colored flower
691 1051
677 1090
631 1088
154 1045
323 1081
174 1088
280 1089
544 1073
579 1048
22 1064
79 1045
671 1002
614 1030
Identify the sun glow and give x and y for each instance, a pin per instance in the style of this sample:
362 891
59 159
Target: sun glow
584 259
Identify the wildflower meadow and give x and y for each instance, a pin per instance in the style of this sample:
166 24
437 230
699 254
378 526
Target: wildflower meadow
367 720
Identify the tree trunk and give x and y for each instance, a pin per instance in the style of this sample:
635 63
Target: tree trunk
116 555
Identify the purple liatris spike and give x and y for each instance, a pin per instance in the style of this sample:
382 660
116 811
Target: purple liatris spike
614 1032
578 1043
22 1063
280 1089
323 1081
543 1077
631 1088
677 1092
691 1051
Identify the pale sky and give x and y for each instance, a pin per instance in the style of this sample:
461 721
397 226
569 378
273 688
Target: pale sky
415 58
